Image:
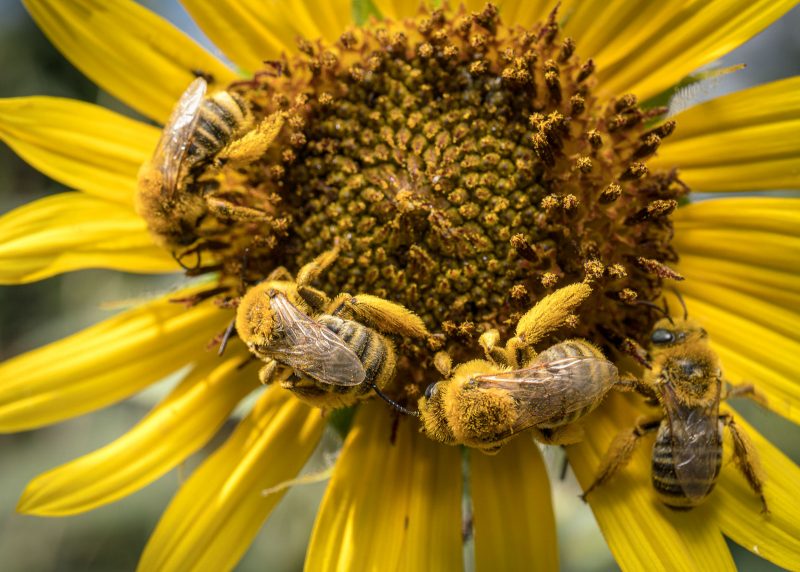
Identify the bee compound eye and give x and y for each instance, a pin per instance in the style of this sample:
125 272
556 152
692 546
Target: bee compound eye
662 336
430 391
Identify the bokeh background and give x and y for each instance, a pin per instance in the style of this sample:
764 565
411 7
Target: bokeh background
112 537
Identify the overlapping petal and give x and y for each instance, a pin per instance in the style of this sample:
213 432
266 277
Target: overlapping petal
513 519
761 232
377 512
104 363
251 31
175 429
641 532
662 43
73 231
217 512
80 145
127 50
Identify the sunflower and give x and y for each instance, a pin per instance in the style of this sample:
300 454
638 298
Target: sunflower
465 162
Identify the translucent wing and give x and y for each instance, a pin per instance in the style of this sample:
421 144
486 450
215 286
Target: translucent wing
549 392
312 349
695 443
177 133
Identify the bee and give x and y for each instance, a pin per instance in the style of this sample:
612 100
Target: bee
686 381
332 353
201 131
484 403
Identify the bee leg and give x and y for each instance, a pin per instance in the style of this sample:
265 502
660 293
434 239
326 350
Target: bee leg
266 373
316 299
629 382
620 452
280 273
224 209
746 459
551 312
385 316
311 271
566 435
443 363
748 390
253 144
488 342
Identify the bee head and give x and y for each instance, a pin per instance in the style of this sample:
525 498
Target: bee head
433 415
671 332
255 317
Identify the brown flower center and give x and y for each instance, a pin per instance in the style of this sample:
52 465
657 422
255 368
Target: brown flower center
466 169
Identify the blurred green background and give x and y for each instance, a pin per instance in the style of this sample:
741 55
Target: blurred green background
112 537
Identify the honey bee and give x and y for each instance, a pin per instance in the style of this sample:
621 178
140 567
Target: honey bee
687 382
202 130
485 402
328 357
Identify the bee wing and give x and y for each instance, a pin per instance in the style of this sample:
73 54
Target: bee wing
312 349
695 444
177 133
552 390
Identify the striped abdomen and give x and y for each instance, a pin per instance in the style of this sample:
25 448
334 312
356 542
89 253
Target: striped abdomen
222 118
665 479
590 379
374 351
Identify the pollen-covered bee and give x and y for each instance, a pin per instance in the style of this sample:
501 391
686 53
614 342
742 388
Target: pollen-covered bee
329 358
202 131
484 403
687 382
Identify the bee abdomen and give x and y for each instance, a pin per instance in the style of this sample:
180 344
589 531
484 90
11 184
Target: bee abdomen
220 118
370 347
664 477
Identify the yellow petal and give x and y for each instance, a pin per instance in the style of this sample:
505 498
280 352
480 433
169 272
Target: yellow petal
742 141
773 102
775 537
780 287
677 39
175 429
127 50
73 231
641 532
758 310
746 144
251 31
755 176
78 144
762 232
395 9
607 29
105 362
390 503
513 519
215 515
753 353
769 214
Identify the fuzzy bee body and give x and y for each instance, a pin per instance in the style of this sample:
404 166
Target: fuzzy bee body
204 131
484 405
686 382
335 351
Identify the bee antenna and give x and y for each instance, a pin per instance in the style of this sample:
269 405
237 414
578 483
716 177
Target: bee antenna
683 304
393 403
656 307
227 336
